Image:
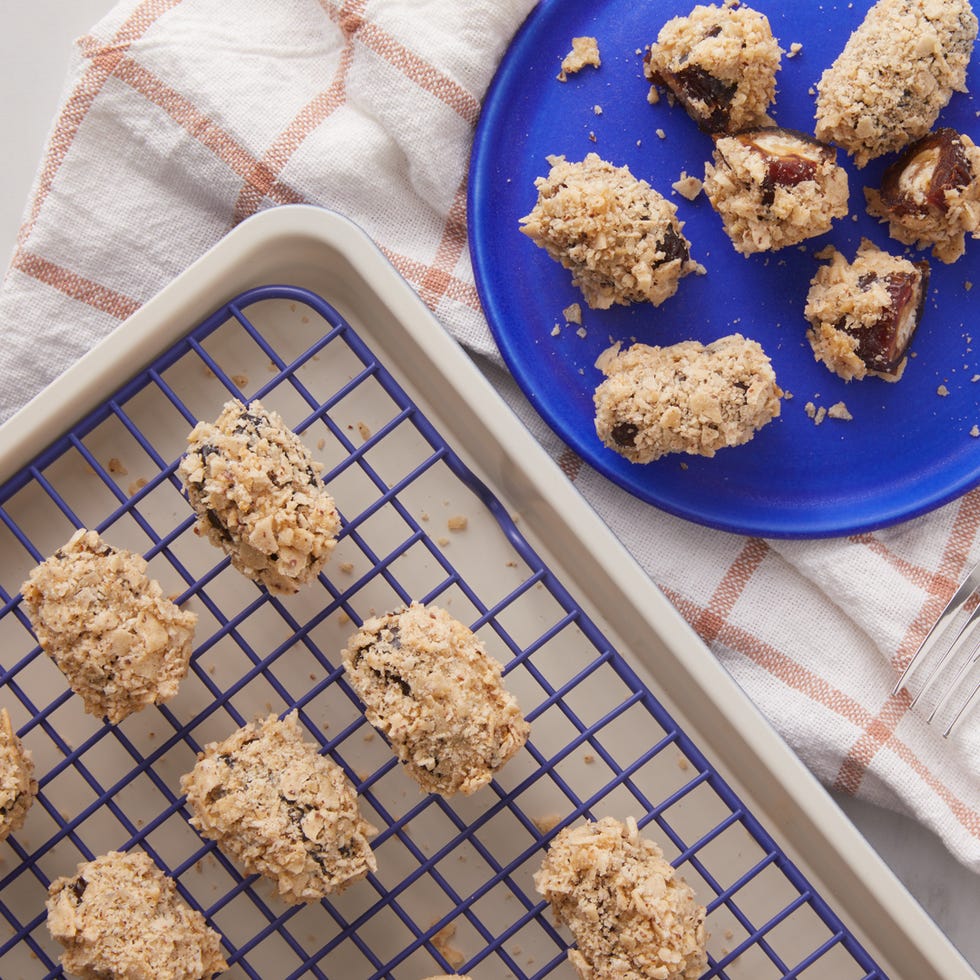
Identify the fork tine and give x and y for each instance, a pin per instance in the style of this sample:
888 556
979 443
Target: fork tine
953 685
964 637
967 587
966 704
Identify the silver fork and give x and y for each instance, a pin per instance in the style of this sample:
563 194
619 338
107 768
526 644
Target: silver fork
959 657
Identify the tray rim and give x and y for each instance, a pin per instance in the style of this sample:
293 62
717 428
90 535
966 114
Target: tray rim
863 887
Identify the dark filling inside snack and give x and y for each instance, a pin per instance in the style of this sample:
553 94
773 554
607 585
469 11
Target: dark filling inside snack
624 434
883 345
918 181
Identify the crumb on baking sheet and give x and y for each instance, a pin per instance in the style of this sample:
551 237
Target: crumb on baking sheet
363 431
137 485
346 567
547 823
458 522
442 941
585 51
116 467
839 411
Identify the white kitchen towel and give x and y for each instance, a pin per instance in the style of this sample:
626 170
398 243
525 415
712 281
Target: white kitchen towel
183 117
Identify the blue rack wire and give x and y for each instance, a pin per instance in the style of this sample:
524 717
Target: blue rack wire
766 919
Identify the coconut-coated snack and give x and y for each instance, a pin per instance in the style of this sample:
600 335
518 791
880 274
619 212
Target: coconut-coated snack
119 641
896 73
719 63
429 686
258 496
685 398
633 917
930 196
18 787
863 314
120 916
775 187
620 238
273 803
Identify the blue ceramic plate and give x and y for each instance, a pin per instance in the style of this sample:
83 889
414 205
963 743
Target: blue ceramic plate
908 448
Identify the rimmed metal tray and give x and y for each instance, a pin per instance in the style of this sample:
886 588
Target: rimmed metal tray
447 498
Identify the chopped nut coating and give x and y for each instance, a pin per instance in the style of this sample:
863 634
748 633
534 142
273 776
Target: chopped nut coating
272 802
430 687
632 916
720 64
120 643
894 76
258 496
931 194
774 187
18 787
864 314
686 398
120 916
619 237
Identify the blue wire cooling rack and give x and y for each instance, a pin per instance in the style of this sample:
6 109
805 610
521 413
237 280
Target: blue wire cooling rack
453 888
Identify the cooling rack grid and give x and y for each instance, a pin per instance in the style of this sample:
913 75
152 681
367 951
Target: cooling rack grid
453 888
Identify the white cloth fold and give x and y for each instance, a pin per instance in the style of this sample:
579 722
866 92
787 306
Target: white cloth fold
182 117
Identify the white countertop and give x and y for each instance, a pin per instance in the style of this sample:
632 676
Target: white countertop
34 52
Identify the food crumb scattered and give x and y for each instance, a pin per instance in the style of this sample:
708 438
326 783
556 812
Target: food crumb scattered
364 431
137 485
582 332
839 411
546 824
585 51
975 432
241 380
458 522
347 567
588 759
942 391
661 134
682 762
794 49
115 466
572 313
688 186
968 285
442 542
597 109
817 414
320 443
555 330
342 618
